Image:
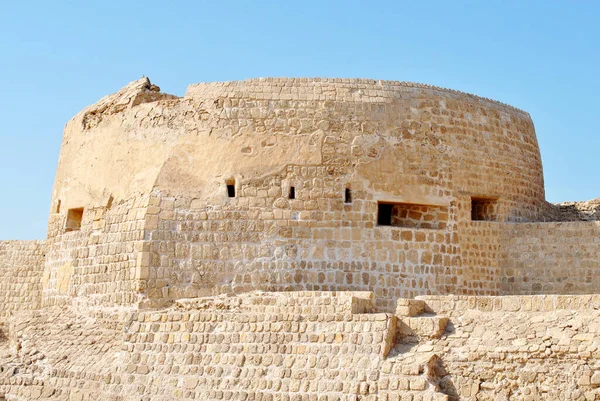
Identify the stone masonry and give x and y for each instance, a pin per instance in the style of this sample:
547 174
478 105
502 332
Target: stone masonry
302 239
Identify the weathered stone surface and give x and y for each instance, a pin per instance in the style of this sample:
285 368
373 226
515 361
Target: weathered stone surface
462 176
585 211
344 200
261 344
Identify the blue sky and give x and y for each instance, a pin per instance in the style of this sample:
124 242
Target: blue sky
58 57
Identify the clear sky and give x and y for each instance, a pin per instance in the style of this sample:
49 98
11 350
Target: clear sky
57 57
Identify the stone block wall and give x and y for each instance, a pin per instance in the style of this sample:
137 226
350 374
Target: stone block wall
97 264
21 270
552 258
429 149
455 305
261 346
262 239
490 148
167 248
322 243
482 252
269 352
526 347
309 346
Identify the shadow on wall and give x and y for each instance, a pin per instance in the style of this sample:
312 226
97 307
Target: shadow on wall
446 386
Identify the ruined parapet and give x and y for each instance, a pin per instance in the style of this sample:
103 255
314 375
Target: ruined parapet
579 211
134 94
255 345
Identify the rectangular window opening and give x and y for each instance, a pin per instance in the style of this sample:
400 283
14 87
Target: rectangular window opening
412 215
348 196
292 194
58 206
484 209
384 214
74 218
230 188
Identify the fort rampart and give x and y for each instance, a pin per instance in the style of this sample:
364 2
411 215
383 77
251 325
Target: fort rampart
399 231
206 206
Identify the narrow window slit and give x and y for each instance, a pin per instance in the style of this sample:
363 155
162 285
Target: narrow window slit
384 214
231 190
292 193
348 196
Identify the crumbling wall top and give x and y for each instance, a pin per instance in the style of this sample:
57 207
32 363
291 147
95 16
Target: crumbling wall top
132 94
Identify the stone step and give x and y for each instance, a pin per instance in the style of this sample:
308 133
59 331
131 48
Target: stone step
416 320
409 307
425 326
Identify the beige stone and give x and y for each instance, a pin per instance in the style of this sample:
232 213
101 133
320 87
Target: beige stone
266 239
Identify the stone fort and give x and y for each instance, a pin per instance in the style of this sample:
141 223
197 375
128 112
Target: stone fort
302 240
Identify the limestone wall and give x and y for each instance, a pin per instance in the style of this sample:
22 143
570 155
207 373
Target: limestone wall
490 148
530 258
552 258
310 346
482 250
325 346
195 252
429 149
97 264
21 268
262 240
519 347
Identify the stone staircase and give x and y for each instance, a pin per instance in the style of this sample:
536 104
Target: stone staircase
416 321
410 372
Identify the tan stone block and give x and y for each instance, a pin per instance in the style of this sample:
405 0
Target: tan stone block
152 210
595 379
190 382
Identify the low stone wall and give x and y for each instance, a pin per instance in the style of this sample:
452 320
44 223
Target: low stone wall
457 304
309 346
21 270
243 356
526 347
259 346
